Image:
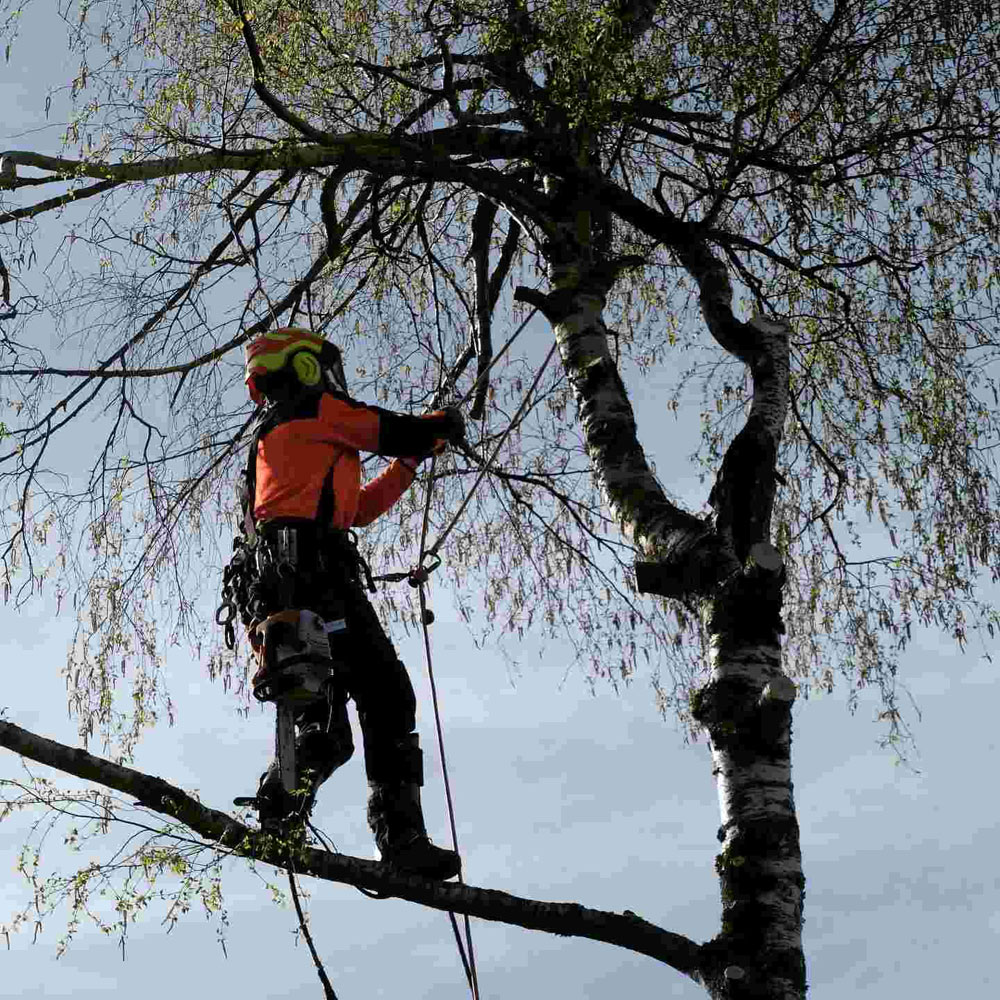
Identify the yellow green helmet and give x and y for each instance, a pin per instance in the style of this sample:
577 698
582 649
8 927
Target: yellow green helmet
309 356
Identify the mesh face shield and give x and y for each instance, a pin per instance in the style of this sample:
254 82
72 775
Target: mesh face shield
332 363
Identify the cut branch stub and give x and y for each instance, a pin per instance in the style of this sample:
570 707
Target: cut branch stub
689 570
764 558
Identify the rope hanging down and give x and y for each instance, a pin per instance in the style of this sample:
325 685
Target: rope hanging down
468 956
418 578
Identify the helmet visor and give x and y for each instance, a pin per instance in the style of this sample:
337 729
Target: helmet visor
334 370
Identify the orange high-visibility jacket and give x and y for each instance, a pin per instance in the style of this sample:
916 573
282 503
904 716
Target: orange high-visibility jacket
308 464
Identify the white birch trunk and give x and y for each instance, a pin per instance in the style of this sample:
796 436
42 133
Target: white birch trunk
658 529
730 566
746 708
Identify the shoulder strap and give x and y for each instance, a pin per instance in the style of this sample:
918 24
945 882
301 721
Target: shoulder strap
266 421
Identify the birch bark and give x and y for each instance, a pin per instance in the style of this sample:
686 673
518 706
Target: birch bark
730 566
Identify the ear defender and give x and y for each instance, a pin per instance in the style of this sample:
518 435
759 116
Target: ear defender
306 367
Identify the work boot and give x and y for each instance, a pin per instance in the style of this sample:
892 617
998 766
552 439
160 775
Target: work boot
274 805
397 821
320 748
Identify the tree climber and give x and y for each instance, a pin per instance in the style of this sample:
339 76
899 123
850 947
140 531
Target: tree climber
303 494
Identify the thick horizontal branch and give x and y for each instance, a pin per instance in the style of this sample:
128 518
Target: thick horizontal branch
369 150
567 919
657 111
446 154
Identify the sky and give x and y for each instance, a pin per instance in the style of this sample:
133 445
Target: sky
562 791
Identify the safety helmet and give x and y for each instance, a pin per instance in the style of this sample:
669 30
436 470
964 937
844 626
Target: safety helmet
308 356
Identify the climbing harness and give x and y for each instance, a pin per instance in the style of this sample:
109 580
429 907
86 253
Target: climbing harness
296 651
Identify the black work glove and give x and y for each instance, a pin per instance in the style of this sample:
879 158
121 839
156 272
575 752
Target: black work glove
454 429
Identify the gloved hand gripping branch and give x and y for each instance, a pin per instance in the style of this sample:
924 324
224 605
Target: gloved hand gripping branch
450 430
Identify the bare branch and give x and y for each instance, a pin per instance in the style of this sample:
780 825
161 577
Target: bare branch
479 252
280 110
177 296
566 919
75 195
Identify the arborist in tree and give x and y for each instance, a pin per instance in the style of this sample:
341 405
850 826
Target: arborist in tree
302 496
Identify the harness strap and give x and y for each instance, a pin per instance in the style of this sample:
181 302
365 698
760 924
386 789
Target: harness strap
266 422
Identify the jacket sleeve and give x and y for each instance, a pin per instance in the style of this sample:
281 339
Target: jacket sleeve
370 428
405 436
378 495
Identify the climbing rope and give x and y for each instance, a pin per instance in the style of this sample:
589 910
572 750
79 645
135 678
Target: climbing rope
328 990
496 357
468 956
466 953
418 578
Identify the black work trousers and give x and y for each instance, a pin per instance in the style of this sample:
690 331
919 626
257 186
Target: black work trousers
327 580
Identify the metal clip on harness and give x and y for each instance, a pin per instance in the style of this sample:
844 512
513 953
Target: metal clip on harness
420 574
416 578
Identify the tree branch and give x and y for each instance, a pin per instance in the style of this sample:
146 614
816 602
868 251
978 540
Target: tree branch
440 154
76 194
566 919
280 111
482 234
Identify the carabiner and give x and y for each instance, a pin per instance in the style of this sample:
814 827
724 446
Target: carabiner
419 575
229 607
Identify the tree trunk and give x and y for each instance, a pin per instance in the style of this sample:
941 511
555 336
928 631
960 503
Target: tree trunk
684 546
746 708
728 565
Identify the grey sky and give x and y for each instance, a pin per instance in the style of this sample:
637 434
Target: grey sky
561 794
